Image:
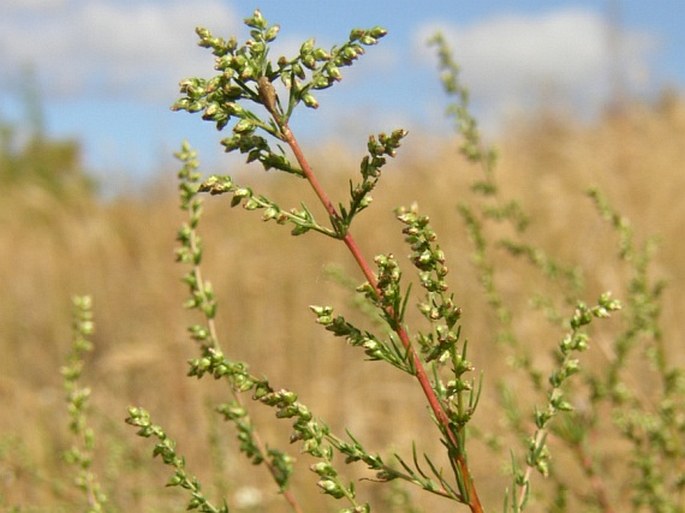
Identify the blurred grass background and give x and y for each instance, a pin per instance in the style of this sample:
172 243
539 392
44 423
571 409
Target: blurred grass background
58 239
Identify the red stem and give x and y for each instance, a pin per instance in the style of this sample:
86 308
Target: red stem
420 371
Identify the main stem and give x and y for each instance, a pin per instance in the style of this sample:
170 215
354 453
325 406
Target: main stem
472 498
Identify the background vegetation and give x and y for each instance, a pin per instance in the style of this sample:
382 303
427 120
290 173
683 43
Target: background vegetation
58 238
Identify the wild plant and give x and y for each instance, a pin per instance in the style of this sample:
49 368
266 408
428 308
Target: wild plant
643 415
80 454
573 407
258 97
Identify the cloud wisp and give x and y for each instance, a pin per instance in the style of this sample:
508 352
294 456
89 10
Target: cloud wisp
516 62
98 48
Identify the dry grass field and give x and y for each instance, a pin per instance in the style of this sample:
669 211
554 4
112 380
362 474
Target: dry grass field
121 252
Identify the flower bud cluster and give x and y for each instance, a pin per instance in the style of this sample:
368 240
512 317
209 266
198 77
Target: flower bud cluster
166 449
189 252
438 306
574 341
315 437
302 219
245 73
80 453
373 347
388 284
426 256
370 170
324 65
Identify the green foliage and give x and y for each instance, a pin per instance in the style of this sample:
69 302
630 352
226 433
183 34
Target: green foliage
29 157
80 455
52 164
247 77
653 483
165 448
258 97
652 423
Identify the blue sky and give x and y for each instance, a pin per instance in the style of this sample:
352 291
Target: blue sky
107 70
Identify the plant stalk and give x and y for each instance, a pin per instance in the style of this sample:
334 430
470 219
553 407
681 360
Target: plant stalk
287 494
472 498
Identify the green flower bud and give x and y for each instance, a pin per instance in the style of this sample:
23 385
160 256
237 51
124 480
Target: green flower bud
334 73
324 320
248 73
320 54
321 82
256 47
234 109
312 446
320 310
224 63
256 20
231 143
323 469
349 54
309 61
378 32
355 34
271 34
198 332
251 204
243 192
270 213
298 70
330 487
180 104
195 106
238 62
365 202
203 33
232 44
307 47
310 101
303 412
211 111
233 91
243 126
371 345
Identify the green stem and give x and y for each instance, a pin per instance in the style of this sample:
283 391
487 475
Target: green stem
287 494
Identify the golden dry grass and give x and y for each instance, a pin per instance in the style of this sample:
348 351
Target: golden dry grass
122 252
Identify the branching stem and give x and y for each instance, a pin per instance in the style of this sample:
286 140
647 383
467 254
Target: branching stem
472 498
211 324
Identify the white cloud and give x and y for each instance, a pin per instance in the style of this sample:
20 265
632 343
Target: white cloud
32 5
105 48
521 61
130 49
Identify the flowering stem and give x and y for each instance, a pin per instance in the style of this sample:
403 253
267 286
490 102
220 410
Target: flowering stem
214 337
472 498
